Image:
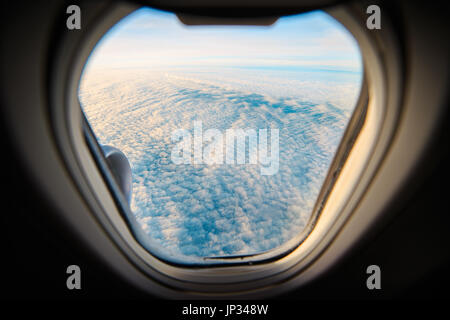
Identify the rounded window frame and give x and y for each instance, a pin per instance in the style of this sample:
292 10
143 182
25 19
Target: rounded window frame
245 278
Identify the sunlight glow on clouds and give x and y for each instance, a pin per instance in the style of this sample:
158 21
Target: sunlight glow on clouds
151 75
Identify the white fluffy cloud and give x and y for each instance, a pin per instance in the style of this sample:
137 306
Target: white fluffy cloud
216 210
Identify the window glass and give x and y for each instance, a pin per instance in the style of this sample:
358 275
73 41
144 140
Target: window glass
230 130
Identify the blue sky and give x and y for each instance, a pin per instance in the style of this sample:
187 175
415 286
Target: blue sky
153 38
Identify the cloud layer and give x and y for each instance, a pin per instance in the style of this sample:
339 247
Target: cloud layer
215 210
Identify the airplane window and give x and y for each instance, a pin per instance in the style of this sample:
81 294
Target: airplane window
230 130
